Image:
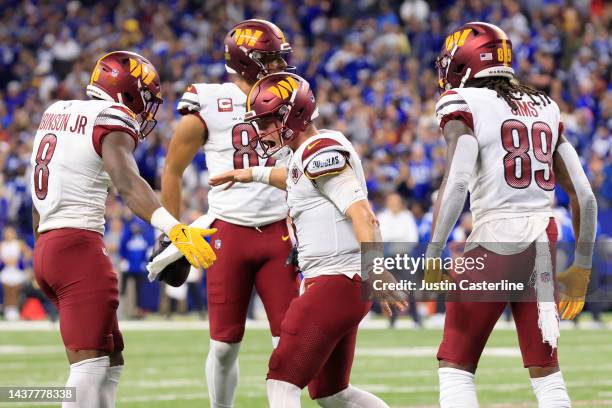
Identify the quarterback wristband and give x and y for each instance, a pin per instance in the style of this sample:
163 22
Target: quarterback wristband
163 220
261 174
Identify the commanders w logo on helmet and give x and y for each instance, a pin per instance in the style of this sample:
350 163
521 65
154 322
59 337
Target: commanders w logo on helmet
457 39
138 69
479 54
252 46
247 36
284 88
130 79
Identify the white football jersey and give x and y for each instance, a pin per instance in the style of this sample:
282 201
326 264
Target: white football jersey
513 178
69 185
222 107
326 242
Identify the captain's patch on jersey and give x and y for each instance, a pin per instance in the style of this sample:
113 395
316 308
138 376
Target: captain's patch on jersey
324 163
225 105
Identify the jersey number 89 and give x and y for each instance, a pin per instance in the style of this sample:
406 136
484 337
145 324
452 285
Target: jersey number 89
522 178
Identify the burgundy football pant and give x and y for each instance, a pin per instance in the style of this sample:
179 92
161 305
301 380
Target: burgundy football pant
468 324
73 269
248 257
318 335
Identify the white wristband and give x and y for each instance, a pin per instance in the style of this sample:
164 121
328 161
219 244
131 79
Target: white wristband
163 220
261 174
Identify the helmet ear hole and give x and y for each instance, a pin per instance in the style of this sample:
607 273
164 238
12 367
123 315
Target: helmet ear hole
127 97
460 68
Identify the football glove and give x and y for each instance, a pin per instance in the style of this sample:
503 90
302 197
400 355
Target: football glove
575 281
433 270
190 241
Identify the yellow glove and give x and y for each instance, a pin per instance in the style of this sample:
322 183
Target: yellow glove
433 270
575 281
190 241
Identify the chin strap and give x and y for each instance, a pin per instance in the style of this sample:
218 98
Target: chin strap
465 77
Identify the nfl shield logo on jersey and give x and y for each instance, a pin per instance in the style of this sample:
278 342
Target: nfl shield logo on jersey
217 244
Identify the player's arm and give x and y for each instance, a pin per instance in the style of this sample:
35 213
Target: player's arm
119 163
571 177
462 152
274 176
345 192
35 222
188 138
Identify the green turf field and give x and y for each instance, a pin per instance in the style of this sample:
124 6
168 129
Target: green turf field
165 368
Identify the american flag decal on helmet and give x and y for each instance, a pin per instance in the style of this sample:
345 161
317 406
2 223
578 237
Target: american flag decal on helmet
486 56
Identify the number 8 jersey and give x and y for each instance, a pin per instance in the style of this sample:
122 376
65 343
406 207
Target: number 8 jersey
68 182
222 107
513 175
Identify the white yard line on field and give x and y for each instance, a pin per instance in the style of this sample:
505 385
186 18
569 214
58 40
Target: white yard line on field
368 324
13 349
427 351
498 387
580 403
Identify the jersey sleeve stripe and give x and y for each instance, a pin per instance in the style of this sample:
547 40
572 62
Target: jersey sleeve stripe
100 132
124 110
312 175
463 116
189 102
125 121
318 145
446 104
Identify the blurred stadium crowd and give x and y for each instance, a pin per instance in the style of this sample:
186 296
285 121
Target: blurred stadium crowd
370 61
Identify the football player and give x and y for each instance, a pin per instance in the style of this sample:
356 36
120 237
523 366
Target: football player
252 239
81 148
506 147
327 198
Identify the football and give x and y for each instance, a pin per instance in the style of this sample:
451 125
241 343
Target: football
176 273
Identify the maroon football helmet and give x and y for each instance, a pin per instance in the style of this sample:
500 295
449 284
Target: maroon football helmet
282 97
130 79
474 50
251 45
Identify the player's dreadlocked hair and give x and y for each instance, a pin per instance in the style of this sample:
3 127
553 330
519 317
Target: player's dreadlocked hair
510 90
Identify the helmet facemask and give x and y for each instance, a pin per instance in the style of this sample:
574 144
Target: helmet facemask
264 59
151 104
263 121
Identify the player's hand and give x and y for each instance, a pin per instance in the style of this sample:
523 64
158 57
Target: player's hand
190 241
232 177
575 281
433 270
387 297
